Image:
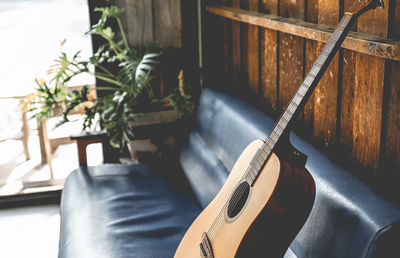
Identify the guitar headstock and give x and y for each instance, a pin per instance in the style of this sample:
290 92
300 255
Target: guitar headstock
359 8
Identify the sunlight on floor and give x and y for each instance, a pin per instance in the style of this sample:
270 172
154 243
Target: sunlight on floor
16 173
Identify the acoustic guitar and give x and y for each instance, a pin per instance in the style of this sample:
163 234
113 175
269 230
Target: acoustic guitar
269 194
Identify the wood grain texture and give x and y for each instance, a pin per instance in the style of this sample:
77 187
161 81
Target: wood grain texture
392 141
253 52
363 42
311 55
269 59
136 15
368 94
368 101
326 92
250 49
279 203
347 102
366 125
227 48
236 46
168 23
391 159
291 54
229 236
213 50
347 97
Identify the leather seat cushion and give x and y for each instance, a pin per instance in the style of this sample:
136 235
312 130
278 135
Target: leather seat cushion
122 211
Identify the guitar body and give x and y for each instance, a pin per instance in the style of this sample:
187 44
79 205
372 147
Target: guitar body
274 210
269 194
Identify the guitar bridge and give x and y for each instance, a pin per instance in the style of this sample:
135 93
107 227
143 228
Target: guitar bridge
205 247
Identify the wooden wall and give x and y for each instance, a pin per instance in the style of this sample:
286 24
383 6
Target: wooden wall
160 19
354 113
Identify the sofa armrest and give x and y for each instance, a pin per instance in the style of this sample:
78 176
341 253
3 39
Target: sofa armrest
84 139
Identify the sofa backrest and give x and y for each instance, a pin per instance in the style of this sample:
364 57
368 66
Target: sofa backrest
347 220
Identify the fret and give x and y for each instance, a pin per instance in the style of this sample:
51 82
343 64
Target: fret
286 117
297 99
329 47
308 81
274 136
255 166
266 149
248 174
260 161
292 107
321 59
256 159
302 90
252 173
331 40
336 35
315 69
299 95
316 72
266 153
278 129
270 143
284 122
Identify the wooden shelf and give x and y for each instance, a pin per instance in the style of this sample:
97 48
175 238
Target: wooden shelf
355 41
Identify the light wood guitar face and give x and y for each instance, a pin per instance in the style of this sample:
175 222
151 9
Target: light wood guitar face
226 241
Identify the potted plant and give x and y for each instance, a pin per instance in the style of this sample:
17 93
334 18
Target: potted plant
130 90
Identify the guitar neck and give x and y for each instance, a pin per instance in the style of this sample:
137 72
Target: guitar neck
311 80
307 87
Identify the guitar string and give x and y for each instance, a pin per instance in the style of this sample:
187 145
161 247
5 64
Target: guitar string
221 216
216 225
218 221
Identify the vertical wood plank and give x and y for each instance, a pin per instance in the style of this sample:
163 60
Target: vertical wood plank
391 161
326 93
368 94
228 63
368 101
392 146
168 22
291 54
213 38
253 52
269 59
311 55
347 97
236 46
347 102
249 48
138 14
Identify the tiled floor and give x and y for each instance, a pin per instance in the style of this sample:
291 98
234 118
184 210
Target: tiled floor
29 232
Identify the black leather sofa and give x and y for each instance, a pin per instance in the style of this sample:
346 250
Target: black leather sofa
136 211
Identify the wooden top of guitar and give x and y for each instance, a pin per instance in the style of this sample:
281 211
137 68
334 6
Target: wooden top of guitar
265 200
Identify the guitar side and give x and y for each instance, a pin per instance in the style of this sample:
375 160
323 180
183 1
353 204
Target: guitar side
248 232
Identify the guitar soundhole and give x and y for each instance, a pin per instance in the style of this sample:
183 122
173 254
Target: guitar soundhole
238 199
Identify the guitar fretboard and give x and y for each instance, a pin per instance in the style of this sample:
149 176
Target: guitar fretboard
300 98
